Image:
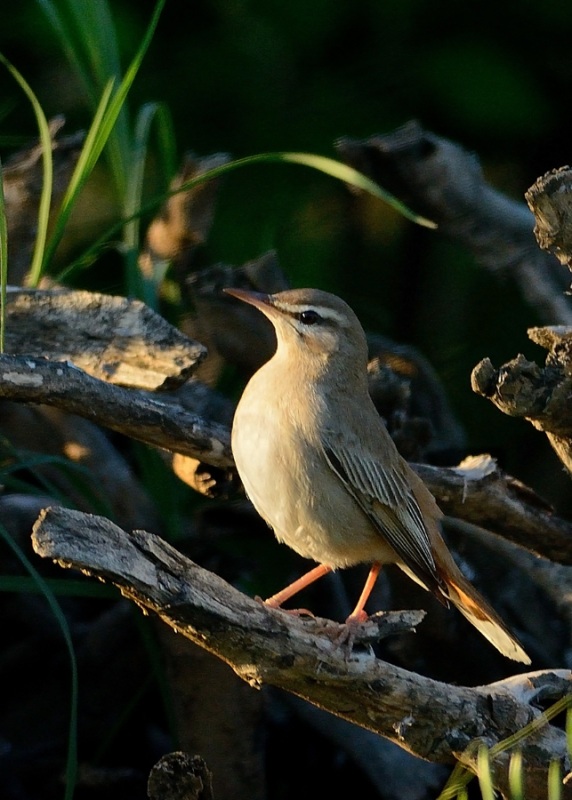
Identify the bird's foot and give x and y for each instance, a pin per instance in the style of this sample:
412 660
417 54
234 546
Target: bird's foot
295 612
350 629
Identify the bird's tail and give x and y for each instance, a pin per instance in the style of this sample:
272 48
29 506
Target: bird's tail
476 609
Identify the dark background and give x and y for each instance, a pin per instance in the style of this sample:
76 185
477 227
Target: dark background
247 77
250 77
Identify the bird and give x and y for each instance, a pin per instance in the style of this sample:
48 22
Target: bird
320 467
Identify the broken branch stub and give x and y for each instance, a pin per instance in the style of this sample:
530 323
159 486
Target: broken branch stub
521 388
550 200
115 339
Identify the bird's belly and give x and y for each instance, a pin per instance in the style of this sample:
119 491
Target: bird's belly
303 500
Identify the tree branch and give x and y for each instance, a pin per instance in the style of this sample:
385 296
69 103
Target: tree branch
141 415
490 499
436 721
444 182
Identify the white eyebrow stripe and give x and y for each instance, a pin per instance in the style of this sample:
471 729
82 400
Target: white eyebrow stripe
325 313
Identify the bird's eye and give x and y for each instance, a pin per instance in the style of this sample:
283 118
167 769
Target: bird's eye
309 317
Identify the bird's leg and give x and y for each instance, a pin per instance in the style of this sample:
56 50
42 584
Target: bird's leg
293 588
358 615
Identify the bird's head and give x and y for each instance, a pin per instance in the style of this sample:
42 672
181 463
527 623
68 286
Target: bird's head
312 325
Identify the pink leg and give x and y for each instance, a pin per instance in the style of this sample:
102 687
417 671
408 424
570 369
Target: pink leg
358 615
293 588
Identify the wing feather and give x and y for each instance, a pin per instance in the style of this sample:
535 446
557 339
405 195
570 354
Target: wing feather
388 500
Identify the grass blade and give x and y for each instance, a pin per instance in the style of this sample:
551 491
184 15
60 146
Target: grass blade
105 118
89 40
348 174
3 262
515 776
97 36
66 37
554 781
138 285
47 179
461 776
327 165
485 777
91 150
71 763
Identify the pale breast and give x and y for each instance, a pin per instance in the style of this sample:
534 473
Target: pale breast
291 486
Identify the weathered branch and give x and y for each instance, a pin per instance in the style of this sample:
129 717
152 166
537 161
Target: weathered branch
436 721
113 338
163 420
141 415
549 198
486 496
444 182
178 776
520 388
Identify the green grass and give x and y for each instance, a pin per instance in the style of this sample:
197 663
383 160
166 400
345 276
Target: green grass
37 265
3 261
459 779
43 587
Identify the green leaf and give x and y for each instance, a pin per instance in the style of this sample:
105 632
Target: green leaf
484 769
46 195
3 262
515 776
329 166
105 118
554 781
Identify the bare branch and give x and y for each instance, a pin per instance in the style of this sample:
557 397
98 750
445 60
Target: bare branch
493 500
444 182
436 721
549 199
141 415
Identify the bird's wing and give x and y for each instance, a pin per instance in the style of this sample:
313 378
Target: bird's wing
387 499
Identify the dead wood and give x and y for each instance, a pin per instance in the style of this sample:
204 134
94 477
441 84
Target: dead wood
436 721
162 420
549 198
138 414
178 776
478 491
184 221
113 338
541 395
442 181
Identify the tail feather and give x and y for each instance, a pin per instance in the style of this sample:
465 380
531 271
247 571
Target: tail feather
475 608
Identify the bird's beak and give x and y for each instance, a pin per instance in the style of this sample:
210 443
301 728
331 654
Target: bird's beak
264 302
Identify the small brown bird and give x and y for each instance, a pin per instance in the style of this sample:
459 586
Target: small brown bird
320 467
